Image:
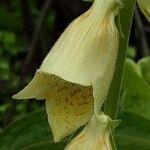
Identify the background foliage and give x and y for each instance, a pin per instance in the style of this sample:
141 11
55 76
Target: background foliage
27 31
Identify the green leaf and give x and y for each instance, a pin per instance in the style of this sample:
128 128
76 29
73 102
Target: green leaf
137 104
136 97
133 82
144 64
45 146
133 133
30 129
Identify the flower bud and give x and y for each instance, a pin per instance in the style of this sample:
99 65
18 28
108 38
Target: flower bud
95 136
77 72
145 7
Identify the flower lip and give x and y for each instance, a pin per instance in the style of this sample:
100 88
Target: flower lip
68 105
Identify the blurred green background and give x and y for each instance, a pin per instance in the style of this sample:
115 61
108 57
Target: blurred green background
28 29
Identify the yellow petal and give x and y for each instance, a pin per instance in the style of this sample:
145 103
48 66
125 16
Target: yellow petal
68 105
145 7
101 86
95 136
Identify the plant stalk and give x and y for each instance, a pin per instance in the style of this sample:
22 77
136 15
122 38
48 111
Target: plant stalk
126 17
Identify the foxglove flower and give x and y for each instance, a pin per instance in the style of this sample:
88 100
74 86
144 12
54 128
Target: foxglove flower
75 76
95 136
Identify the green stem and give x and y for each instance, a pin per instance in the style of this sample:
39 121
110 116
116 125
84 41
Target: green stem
126 16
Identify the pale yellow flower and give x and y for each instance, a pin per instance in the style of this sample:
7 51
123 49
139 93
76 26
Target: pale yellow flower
95 136
77 72
145 7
